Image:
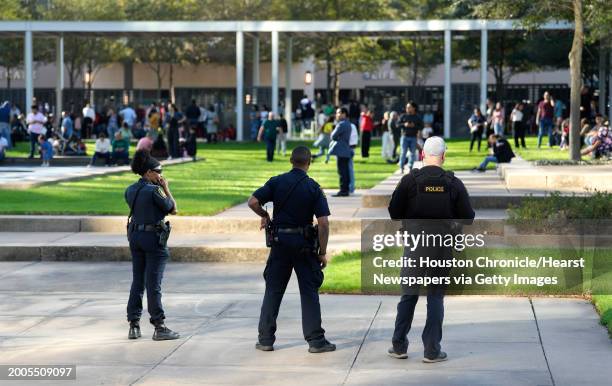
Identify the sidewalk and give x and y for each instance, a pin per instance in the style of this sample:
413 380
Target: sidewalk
73 313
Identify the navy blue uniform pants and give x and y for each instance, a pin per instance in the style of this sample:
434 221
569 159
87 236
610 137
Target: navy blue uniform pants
432 333
148 264
282 260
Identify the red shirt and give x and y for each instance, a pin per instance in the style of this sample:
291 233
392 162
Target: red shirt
546 109
367 123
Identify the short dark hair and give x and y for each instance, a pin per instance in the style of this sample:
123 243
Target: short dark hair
413 104
300 156
343 110
34 107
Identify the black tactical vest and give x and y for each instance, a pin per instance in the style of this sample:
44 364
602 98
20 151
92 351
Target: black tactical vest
433 198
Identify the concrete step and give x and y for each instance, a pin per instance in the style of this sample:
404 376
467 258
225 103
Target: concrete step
180 224
479 201
86 246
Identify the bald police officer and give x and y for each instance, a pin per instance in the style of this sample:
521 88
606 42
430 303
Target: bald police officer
297 198
429 193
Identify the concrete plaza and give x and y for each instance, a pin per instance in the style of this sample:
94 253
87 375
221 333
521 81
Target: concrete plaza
74 313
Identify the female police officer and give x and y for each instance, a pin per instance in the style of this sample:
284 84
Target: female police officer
150 201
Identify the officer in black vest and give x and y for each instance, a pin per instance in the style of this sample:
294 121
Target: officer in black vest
150 201
431 195
297 198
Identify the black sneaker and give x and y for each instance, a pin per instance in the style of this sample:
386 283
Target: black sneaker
263 347
478 170
440 358
341 194
397 355
134 330
164 333
326 347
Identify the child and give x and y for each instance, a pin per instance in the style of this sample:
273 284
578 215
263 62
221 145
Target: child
564 135
46 150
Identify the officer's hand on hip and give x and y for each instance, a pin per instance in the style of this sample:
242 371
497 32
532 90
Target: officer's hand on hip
323 260
264 222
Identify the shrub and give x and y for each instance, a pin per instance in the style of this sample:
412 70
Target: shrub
556 206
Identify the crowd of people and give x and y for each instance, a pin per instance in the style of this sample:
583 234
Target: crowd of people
549 119
160 127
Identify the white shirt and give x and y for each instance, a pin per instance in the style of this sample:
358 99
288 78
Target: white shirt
211 125
354 139
103 145
517 115
88 112
129 115
36 128
203 115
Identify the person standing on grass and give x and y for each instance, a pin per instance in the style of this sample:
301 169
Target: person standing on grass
476 123
212 124
3 147
342 150
35 121
544 119
268 132
395 131
410 125
174 119
281 139
518 128
89 116
498 119
366 125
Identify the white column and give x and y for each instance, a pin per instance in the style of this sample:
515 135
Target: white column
288 65
274 106
29 83
255 69
447 83
239 85
484 42
59 86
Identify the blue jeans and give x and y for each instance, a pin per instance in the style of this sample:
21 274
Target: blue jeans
546 128
2 155
489 158
498 129
5 131
351 175
408 142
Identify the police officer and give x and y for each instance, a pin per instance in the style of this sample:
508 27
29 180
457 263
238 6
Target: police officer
430 194
296 199
150 201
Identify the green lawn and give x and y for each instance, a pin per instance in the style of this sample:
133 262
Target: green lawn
532 153
229 175
603 303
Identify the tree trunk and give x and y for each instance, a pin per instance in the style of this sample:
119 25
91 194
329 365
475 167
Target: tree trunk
415 63
575 61
171 82
336 87
159 80
329 77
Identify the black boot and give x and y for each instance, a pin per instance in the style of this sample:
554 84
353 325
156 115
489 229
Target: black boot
134 330
164 333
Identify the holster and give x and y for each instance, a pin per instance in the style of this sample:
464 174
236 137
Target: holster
271 235
164 229
311 234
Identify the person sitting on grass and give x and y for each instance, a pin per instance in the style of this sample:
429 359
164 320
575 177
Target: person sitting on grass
601 146
121 148
58 142
102 150
3 147
565 124
146 142
502 152
46 150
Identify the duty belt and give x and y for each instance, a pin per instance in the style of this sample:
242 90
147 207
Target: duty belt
297 231
145 227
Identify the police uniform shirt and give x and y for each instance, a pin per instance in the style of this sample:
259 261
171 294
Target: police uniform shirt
151 205
404 206
306 200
